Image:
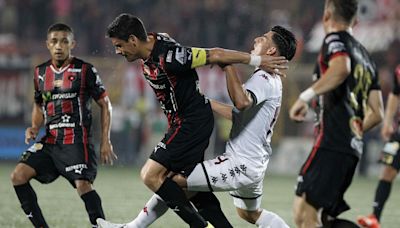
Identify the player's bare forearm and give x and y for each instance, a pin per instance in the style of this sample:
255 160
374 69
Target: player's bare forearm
106 112
37 116
239 96
339 69
374 114
391 108
222 109
225 56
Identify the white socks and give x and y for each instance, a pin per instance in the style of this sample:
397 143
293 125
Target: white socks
153 209
269 219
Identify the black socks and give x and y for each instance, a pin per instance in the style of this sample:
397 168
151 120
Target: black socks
381 195
210 209
27 198
93 206
175 199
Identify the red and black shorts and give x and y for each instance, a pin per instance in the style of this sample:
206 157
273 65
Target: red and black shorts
72 161
325 180
183 145
391 152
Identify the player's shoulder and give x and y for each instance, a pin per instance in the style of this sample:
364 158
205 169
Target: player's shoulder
43 64
80 62
259 73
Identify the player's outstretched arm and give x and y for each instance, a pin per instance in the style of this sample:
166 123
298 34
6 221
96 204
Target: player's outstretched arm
107 154
222 109
266 62
37 121
374 114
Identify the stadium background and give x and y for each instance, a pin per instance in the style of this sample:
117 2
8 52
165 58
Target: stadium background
138 124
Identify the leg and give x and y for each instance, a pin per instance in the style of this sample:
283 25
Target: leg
91 199
383 190
305 215
262 218
154 176
20 178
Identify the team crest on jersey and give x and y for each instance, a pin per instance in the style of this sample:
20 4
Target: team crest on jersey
72 78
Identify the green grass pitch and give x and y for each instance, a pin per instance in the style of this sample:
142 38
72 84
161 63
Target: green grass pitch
123 195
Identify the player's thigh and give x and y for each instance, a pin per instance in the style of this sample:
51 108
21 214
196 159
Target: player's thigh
75 162
36 163
248 198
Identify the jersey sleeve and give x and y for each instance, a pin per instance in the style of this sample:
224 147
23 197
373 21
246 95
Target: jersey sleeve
179 58
333 46
37 94
259 86
94 84
396 77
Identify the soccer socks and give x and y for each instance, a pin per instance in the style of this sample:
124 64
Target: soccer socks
270 219
93 206
27 198
210 209
175 198
381 195
153 209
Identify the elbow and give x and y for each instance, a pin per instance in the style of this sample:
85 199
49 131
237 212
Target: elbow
242 104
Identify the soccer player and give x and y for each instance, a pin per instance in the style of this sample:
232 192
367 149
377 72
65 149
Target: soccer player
64 87
349 103
242 167
169 69
390 157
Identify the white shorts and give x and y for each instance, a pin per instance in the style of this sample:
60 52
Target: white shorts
238 175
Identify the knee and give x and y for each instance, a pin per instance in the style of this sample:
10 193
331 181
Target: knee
249 216
19 176
83 186
151 180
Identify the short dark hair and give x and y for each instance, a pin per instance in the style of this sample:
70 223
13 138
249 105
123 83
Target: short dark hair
125 25
344 10
285 41
59 27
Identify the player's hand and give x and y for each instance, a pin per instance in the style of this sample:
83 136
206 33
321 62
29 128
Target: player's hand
274 65
107 154
386 131
298 111
30 134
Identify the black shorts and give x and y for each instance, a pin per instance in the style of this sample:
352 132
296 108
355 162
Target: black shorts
391 152
72 161
183 145
324 178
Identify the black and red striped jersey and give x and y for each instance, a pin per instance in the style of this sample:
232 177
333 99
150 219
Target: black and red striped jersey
396 81
65 96
340 112
170 71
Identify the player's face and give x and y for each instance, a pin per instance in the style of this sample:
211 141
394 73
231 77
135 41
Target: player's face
60 44
129 49
262 44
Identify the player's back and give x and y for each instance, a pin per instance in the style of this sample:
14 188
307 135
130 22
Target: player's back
252 128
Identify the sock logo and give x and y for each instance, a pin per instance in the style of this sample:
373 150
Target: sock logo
30 215
176 209
146 211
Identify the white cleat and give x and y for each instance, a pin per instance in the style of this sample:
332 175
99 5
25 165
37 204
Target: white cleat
106 224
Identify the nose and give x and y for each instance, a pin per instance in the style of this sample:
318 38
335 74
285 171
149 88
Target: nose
118 52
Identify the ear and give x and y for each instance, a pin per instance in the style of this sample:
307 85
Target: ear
327 15
133 40
271 51
73 44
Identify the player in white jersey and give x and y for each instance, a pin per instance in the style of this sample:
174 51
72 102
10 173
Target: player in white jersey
241 168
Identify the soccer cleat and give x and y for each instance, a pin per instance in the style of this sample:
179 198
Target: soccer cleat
106 224
369 221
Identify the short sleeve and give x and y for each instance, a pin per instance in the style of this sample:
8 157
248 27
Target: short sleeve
94 84
38 93
333 46
179 58
261 86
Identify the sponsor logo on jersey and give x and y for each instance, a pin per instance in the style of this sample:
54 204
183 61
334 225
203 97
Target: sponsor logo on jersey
46 96
74 70
64 124
155 86
78 168
58 83
336 46
169 56
63 96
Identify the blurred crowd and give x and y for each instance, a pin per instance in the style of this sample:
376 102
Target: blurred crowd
229 24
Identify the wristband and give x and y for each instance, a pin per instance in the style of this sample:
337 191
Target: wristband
307 94
255 60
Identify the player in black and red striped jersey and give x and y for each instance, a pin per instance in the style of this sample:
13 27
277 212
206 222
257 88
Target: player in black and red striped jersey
390 155
349 103
64 88
169 69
